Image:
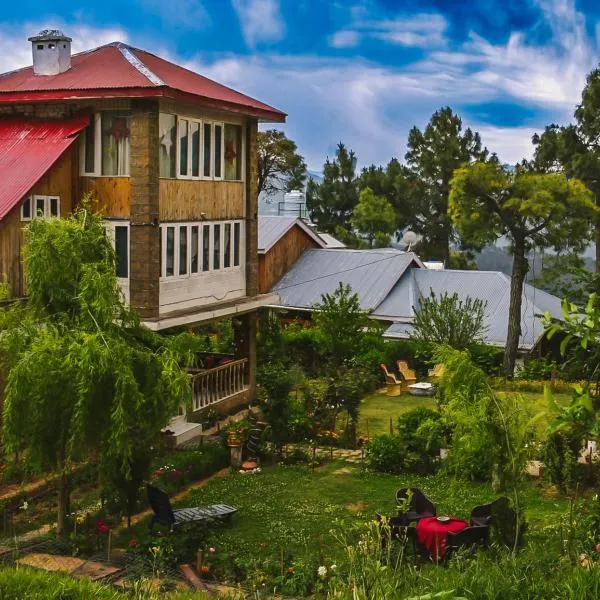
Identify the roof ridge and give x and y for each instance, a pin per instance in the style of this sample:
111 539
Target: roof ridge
138 64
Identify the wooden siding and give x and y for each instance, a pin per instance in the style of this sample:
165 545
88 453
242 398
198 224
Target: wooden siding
186 200
111 196
279 259
59 181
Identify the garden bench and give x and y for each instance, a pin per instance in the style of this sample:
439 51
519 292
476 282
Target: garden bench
164 513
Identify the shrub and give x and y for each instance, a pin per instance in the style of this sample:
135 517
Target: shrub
387 454
560 454
487 358
537 369
421 430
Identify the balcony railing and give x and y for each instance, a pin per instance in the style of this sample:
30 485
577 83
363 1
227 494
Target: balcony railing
215 385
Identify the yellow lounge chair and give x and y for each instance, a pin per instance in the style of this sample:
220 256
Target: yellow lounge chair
408 375
392 383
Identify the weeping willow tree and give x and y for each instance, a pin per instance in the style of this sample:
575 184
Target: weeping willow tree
83 376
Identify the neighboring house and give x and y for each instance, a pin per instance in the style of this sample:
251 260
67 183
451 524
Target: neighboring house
281 241
169 158
390 284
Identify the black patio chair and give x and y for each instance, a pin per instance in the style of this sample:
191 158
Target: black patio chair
470 538
485 514
419 507
165 515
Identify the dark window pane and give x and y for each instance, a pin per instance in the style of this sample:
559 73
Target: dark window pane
195 132
183 250
90 147
207 143
217 247
233 152
122 251
167 138
39 207
236 244
26 211
206 247
54 207
194 242
227 245
116 129
170 262
218 150
183 147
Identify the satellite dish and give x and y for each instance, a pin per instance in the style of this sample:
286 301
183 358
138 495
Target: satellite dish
409 238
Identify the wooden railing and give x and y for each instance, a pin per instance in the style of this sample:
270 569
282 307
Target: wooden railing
214 385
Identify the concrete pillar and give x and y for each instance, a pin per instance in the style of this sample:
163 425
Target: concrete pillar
144 234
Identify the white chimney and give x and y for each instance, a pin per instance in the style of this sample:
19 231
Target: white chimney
51 50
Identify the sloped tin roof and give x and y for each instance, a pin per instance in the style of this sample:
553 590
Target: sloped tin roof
28 148
272 228
492 287
121 70
370 273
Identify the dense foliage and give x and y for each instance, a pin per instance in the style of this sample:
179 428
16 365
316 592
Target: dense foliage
280 165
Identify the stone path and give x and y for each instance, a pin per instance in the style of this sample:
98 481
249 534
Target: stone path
344 454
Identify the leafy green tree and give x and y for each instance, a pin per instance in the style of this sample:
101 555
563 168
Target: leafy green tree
531 210
449 321
332 202
575 148
82 375
341 323
374 218
280 165
432 157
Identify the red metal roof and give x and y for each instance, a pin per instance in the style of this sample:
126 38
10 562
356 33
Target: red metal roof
28 148
119 70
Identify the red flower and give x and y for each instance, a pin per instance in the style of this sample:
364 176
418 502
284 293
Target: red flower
133 543
101 526
157 473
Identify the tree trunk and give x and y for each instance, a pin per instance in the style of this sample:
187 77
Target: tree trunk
519 271
62 526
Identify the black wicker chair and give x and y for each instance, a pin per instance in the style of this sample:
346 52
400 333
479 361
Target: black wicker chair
164 513
484 514
419 506
470 538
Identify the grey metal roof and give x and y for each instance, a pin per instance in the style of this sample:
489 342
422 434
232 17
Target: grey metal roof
330 241
490 286
272 228
370 273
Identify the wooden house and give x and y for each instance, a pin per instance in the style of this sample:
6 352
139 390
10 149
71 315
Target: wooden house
281 242
170 160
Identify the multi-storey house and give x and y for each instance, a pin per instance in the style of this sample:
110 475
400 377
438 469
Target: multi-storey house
169 159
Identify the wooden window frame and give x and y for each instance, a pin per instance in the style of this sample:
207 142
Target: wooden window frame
33 200
110 228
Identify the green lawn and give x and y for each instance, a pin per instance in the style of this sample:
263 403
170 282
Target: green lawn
376 410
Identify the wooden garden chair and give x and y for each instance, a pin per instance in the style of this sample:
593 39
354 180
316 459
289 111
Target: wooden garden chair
164 513
408 375
392 383
436 372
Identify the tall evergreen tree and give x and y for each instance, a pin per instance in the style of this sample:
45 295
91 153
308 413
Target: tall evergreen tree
332 202
432 157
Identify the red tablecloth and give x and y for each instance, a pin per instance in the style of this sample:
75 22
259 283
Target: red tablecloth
432 534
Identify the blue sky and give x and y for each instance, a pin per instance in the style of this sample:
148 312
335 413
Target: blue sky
360 71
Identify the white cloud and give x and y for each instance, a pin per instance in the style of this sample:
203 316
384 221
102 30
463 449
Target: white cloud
419 31
260 20
345 38
15 50
187 14
511 144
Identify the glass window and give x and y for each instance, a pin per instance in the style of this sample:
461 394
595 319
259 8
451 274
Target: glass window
195 143
115 143
233 152
166 127
218 151
194 253
121 251
236 244
40 205
227 245
217 247
183 147
206 247
89 154
26 209
170 251
183 243
53 207
206 170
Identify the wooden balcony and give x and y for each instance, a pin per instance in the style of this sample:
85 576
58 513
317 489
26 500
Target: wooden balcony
222 387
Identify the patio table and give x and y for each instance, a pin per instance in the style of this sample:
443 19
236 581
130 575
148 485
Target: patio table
432 534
